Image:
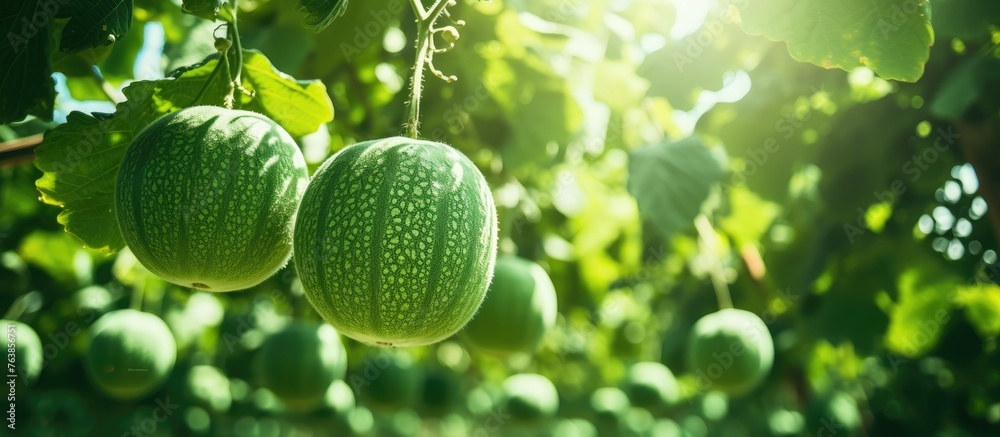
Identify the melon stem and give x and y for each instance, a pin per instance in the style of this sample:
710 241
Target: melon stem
709 244
425 24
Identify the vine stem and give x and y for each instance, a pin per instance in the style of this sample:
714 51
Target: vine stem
709 243
113 95
425 22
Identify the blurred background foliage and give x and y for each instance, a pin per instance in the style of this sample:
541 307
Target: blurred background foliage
854 214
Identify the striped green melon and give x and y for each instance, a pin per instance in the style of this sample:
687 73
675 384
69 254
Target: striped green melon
520 308
300 362
395 241
206 197
130 354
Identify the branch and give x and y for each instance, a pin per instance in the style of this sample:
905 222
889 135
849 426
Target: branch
709 243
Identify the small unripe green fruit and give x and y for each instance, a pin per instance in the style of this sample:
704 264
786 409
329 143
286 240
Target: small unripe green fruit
651 385
388 381
609 405
530 397
206 197
395 241
27 353
730 350
130 354
300 362
520 308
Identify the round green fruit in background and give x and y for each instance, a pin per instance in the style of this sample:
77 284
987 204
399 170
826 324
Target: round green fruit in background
28 354
130 354
207 387
609 405
833 411
730 350
299 362
520 308
651 385
206 197
530 397
395 241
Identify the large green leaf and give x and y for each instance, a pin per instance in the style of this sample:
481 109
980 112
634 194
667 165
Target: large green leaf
95 23
892 37
671 180
25 83
80 158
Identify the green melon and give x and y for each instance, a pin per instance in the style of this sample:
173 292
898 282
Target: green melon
530 397
730 350
27 350
395 241
519 309
130 354
206 197
651 385
300 362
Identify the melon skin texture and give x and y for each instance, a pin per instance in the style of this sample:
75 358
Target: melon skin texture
28 352
730 350
519 309
300 362
131 353
206 197
395 241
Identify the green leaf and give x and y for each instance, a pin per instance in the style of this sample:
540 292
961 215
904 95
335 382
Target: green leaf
892 37
671 180
95 23
982 308
58 255
918 319
321 12
27 86
206 9
964 86
300 107
682 69
80 158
